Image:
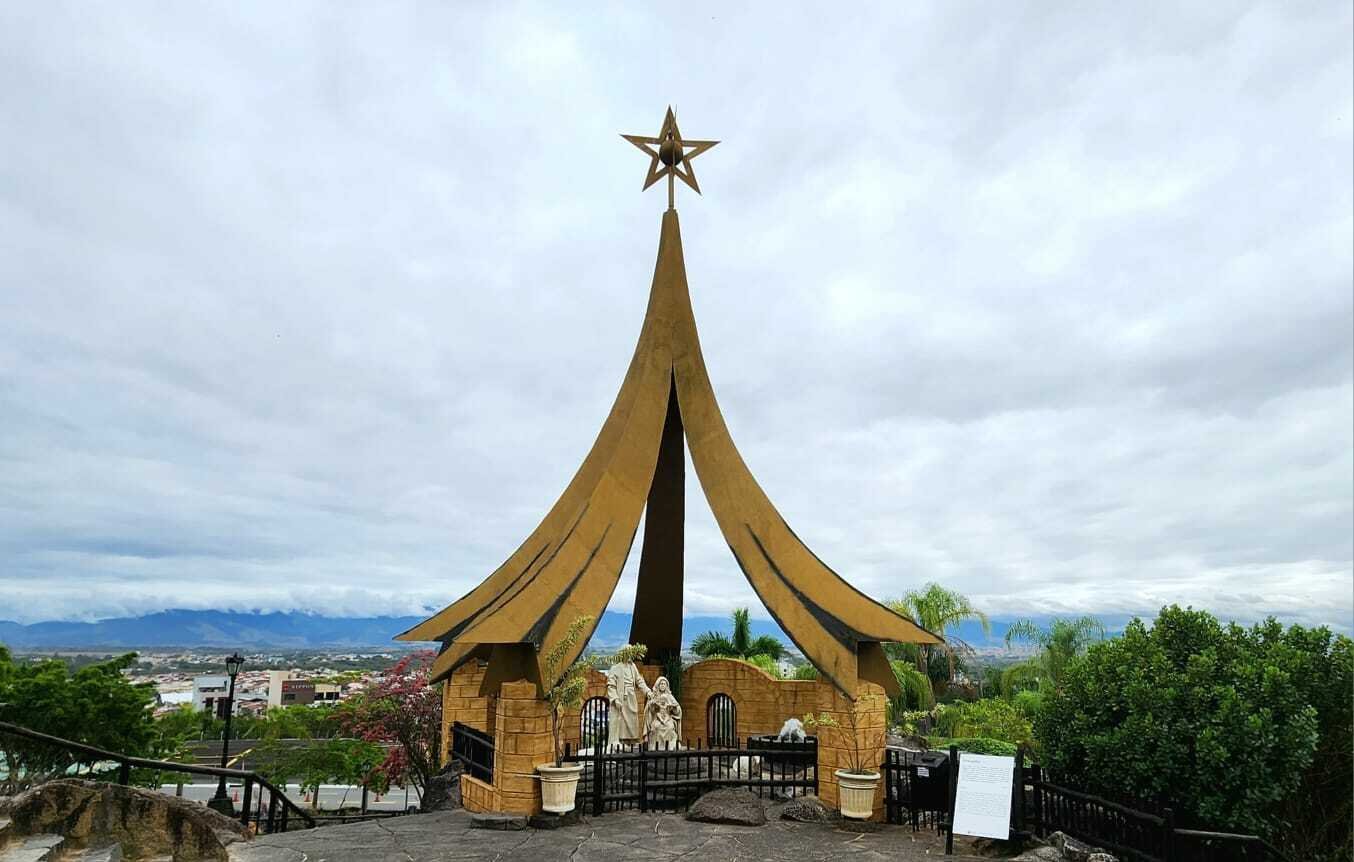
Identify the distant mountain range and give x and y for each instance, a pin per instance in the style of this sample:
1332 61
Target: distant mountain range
228 629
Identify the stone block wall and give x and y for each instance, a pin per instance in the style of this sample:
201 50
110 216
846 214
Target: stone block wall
461 702
835 745
762 702
478 796
520 722
521 742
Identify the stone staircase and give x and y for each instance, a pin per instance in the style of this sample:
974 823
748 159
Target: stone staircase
50 848
54 848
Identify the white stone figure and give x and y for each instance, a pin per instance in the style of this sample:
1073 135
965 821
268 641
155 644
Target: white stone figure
791 731
662 717
622 682
742 767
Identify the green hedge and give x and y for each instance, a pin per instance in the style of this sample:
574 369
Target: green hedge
1241 730
974 745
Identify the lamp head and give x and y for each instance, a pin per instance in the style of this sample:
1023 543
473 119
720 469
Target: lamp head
233 663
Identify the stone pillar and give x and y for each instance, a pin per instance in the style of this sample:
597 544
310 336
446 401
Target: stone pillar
521 742
835 744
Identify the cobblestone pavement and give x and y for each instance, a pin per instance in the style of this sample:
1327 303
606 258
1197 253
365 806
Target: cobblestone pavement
447 835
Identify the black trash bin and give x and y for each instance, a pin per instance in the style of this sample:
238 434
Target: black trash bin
930 778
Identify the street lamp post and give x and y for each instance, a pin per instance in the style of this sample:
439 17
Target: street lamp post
221 801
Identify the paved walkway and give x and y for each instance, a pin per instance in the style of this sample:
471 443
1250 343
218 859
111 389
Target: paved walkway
447 835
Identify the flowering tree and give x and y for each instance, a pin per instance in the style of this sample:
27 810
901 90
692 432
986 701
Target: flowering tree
401 710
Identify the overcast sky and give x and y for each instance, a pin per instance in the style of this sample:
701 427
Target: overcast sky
319 307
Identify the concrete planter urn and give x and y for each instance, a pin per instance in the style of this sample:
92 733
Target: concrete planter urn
559 786
856 793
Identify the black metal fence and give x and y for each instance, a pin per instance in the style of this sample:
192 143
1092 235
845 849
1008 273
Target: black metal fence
1135 830
647 779
919 788
475 749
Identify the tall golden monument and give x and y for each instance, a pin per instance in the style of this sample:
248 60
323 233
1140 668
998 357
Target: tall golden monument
569 566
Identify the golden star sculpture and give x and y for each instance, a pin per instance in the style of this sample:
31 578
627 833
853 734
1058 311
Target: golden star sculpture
673 153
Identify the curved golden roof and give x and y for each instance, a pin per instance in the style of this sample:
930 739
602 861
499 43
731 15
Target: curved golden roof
570 564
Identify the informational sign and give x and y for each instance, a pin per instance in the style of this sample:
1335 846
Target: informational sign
982 802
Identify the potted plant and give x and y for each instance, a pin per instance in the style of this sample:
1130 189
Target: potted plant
857 783
559 781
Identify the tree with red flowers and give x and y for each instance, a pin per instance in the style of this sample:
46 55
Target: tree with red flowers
401 710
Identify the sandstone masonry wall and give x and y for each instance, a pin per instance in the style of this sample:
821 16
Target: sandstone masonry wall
762 702
461 702
520 722
835 744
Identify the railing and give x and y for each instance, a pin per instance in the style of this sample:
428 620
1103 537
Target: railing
1040 806
1043 806
280 810
1195 844
1124 831
475 749
623 777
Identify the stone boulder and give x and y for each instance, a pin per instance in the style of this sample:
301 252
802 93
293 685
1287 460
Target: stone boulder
809 809
734 805
1064 848
443 792
144 822
1077 851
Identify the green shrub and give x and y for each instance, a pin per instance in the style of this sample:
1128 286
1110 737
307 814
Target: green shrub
1027 703
975 745
805 671
1220 722
764 662
991 718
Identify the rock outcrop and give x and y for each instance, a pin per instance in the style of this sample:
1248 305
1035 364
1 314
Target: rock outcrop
809 809
736 805
143 823
444 789
1063 848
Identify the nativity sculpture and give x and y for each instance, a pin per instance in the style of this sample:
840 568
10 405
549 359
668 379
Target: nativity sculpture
660 726
662 717
623 684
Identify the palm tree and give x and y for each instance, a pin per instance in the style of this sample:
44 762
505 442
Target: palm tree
741 645
916 686
935 608
1058 644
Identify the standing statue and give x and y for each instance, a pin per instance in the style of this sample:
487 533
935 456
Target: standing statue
622 681
662 717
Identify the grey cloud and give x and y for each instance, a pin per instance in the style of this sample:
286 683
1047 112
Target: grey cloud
322 306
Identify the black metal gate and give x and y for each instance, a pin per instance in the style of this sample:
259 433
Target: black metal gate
721 721
594 722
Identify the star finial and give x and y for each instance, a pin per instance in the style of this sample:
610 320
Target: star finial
673 153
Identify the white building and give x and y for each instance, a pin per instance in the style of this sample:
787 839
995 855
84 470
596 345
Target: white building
275 680
208 690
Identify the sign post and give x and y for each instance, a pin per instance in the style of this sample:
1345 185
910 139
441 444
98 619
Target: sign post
982 804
